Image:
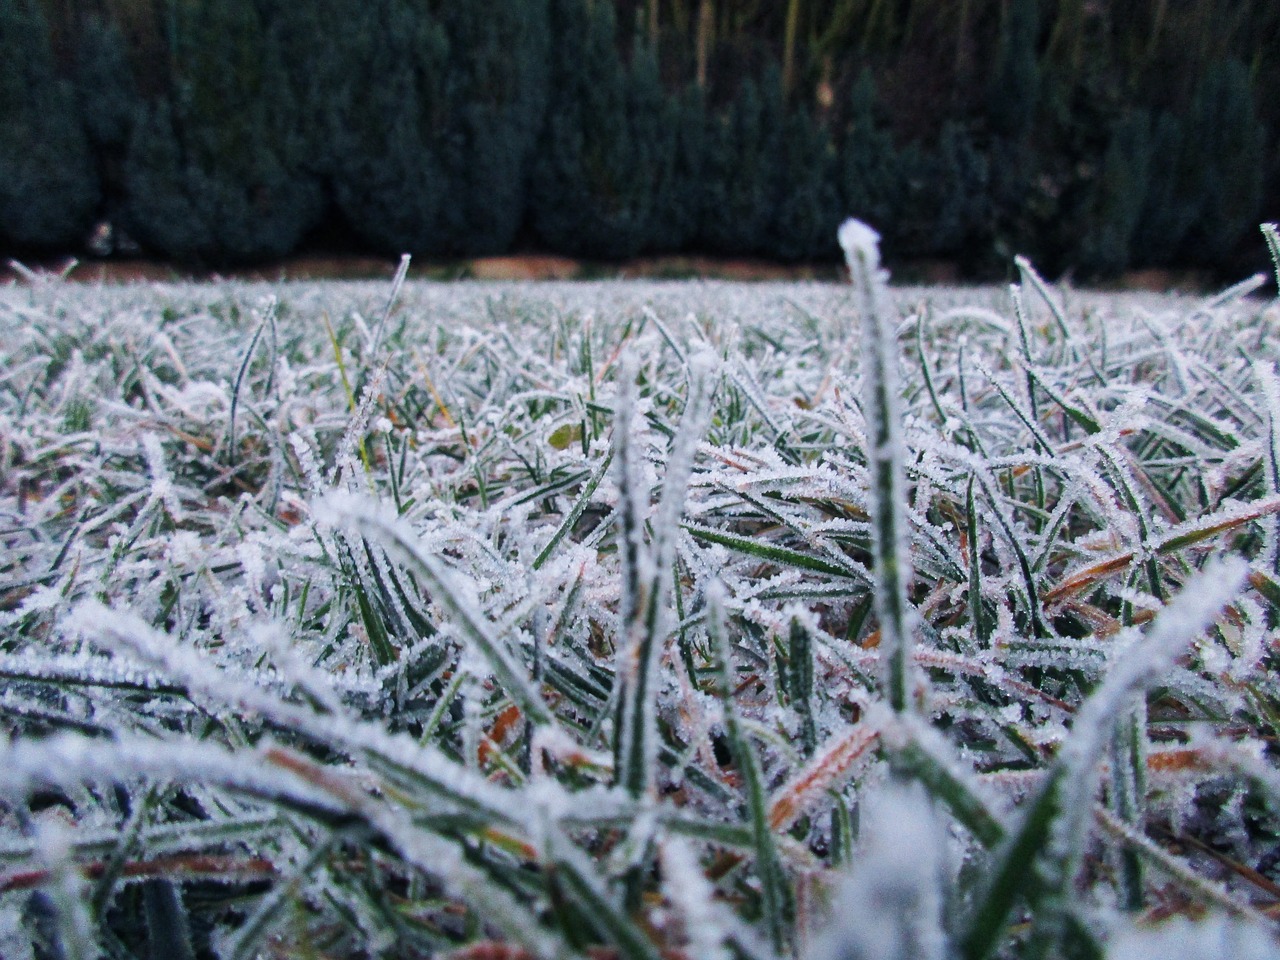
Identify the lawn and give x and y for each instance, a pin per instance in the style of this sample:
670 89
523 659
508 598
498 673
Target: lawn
638 620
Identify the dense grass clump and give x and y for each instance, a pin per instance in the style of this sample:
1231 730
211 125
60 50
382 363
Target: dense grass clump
341 620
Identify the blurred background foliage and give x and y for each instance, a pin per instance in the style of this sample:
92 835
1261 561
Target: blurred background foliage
1094 136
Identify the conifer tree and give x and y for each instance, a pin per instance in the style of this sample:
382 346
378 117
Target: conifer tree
1226 143
214 171
807 211
741 182
662 145
424 118
1168 209
497 91
594 181
872 186
679 196
1015 85
963 211
109 101
1118 198
104 84
48 185
388 99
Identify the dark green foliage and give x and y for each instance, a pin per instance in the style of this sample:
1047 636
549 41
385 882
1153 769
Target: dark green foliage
48 185
387 176
679 196
1168 209
597 169
109 101
214 172
741 175
1226 146
1204 185
424 121
807 212
1015 85
104 85
963 179
497 95
224 132
666 144
871 181
921 193
1119 198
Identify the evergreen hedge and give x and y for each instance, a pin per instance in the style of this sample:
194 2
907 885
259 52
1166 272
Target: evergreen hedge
214 173
48 185
225 131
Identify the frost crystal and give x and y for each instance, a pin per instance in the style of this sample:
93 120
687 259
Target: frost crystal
502 620
859 241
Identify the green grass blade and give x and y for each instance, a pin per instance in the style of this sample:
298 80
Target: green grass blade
400 543
944 784
582 885
575 513
781 556
888 496
1128 795
1272 234
1014 876
774 893
800 677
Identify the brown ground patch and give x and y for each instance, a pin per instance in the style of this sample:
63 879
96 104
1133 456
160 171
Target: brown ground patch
527 267
532 267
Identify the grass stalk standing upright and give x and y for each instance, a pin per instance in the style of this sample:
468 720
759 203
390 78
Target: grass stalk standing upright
880 391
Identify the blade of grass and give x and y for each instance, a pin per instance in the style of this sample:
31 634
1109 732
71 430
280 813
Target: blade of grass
268 317
1040 861
781 556
575 512
775 896
888 495
401 543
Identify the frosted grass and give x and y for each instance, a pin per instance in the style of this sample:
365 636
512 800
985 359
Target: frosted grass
583 619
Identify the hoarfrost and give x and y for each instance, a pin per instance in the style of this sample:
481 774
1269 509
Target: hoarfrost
889 906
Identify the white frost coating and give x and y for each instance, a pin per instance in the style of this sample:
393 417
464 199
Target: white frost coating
377 522
72 925
1265 374
1176 627
123 631
510 365
858 240
162 488
889 906
15 941
1217 937
886 457
67 760
691 893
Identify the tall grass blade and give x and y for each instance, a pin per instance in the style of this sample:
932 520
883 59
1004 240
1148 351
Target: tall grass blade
1041 859
268 319
888 498
168 928
1272 234
402 271
643 625
64 897
575 512
774 892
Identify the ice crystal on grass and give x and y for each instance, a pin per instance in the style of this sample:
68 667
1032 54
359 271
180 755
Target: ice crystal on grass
571 620
889 906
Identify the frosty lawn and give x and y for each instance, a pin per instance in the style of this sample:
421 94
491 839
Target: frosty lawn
359 619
